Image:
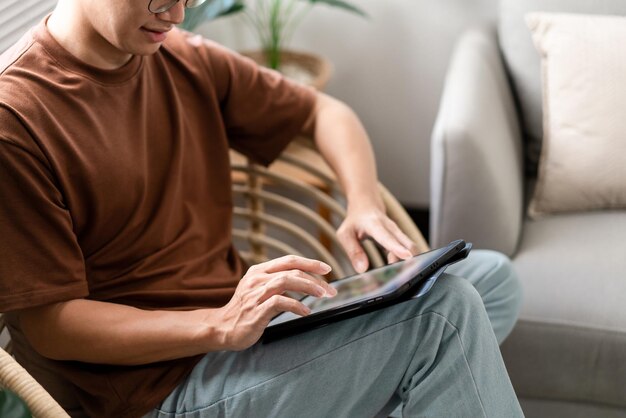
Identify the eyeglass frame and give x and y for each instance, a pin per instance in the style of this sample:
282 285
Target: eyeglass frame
173 3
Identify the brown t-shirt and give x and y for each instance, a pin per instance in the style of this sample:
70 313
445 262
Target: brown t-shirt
115 186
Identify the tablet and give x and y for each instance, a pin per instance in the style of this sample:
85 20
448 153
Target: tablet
365 292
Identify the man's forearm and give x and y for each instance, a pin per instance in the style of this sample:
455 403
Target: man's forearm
102 332
342 140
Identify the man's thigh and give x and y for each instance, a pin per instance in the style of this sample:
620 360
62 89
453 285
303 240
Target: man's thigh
350 368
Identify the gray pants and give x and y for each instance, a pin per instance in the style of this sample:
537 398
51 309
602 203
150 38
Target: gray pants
436 355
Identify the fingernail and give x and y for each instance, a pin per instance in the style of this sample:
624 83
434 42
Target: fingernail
320 291
331 292
307 310
325 267
361 266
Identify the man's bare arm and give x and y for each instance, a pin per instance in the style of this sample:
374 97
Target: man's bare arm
108 333
101 332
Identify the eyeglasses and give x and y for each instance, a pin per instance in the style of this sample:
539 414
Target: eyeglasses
162 6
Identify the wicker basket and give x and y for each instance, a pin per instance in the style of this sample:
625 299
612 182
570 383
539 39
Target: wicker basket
318 67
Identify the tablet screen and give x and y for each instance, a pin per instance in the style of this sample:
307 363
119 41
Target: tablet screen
364 286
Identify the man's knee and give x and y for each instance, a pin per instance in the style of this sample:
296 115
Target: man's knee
456 299
493 275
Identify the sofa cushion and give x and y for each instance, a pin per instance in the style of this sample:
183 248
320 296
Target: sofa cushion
570 364
583 160
570 343
573 270
550 409
522 60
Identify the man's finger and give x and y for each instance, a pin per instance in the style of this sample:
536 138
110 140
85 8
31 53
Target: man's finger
392 258
295 282
355 251
279 304
389 242
401 237
294 262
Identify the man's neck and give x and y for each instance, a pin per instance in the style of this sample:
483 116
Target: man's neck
78 37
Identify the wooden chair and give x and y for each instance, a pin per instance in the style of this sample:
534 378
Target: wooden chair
14 377
293 207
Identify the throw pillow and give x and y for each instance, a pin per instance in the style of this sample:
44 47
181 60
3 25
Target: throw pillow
583 159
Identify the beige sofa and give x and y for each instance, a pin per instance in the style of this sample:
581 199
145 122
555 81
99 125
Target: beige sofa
567 355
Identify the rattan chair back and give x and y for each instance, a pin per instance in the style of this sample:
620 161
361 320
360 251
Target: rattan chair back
19 381
295 207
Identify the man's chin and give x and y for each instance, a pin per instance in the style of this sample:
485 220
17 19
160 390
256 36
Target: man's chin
148 49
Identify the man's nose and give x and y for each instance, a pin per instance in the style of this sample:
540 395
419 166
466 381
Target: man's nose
175 15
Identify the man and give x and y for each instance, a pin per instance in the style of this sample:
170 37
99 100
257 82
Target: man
115 236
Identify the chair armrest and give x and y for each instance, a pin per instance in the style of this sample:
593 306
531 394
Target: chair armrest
15 378
476 152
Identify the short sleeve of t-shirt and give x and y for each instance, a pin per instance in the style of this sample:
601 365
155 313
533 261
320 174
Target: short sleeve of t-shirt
262 110
40 259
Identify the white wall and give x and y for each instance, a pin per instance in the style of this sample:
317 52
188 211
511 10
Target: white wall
389 68
17 16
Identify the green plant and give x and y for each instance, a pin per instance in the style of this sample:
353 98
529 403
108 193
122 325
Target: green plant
273 21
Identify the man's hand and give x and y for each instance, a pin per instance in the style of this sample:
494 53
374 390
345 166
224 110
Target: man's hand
372 222
260 296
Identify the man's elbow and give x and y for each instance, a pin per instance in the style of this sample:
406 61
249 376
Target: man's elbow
41 329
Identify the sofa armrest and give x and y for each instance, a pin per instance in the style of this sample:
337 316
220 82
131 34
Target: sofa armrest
476 151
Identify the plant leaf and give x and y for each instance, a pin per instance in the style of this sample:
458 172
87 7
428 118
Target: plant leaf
236 7
342 5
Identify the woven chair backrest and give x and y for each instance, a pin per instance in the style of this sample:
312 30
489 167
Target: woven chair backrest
295 207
